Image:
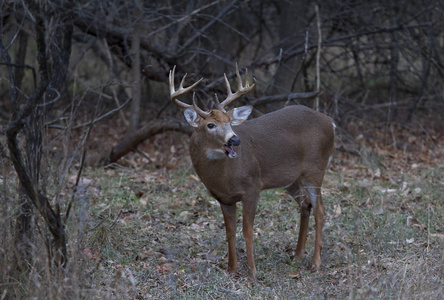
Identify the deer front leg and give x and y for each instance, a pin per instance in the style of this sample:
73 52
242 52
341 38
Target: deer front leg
248 214
229 212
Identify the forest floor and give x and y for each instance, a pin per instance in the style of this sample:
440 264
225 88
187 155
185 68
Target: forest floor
154 233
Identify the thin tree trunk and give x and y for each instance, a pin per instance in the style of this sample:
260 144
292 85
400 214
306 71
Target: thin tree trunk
426 60
318 58
24 220
20 59
137 84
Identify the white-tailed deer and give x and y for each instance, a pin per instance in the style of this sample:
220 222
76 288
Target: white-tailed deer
289 148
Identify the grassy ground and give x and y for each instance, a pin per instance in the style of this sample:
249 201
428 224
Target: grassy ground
148 230
153 232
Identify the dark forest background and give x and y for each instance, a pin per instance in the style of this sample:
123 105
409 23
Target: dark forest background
83 83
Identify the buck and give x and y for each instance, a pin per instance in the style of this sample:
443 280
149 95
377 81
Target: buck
237 158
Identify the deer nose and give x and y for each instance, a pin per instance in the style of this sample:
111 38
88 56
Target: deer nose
234 141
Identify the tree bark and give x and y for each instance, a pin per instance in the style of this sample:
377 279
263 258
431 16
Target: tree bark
137 84
130 143
28 117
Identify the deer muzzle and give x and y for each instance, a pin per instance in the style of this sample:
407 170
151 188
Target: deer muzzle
233 141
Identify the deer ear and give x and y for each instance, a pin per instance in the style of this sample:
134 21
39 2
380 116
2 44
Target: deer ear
239 114
191 117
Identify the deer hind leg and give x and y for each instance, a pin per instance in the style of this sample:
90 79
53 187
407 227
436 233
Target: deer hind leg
229 212
312 189
298 193
319 223
308 195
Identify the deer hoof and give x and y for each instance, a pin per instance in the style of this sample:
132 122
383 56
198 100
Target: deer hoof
316 267
299 255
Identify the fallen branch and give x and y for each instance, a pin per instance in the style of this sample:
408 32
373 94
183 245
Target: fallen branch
131 142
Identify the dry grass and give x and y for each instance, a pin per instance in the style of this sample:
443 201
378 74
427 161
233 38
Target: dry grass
383 236
150 231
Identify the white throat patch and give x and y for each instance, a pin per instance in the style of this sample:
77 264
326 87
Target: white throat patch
215 154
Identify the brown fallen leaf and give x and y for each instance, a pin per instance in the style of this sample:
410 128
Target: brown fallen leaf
294 275
438 235
194 178
337 211
413 222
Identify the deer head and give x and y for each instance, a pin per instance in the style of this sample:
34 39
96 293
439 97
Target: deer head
215 125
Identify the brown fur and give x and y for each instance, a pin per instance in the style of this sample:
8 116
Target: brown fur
288 148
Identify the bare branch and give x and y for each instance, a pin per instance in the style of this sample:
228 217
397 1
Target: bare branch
180 20
282 97
92 122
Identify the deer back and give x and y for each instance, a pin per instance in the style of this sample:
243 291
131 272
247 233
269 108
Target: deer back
275 150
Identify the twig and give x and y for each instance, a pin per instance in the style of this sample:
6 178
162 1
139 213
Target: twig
210 23
278 61
116 100
282 97
182 19
301 64
92 122
110 62
341 38
79 173
82 161
143 154
34 76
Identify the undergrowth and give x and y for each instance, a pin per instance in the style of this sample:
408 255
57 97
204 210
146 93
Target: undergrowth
143 230
383 237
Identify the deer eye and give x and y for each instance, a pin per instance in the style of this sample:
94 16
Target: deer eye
210 125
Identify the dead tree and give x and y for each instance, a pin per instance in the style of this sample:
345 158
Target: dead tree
28 118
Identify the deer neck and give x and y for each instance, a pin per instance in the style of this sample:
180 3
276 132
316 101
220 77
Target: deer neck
204 152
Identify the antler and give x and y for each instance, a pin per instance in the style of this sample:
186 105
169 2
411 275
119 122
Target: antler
197 109
174 94
241 90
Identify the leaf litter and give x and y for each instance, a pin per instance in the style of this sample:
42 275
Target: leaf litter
380 216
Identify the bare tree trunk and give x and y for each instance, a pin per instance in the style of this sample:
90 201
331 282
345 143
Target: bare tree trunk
426 59
137 84
29 118
20 59
394 61
23 231
318 58
289 26
24 221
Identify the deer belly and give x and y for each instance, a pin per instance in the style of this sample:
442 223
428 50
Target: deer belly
280 177
229 189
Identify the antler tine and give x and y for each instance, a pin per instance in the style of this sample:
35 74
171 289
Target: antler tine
241 90
198 110
239 79
174 94
216 100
